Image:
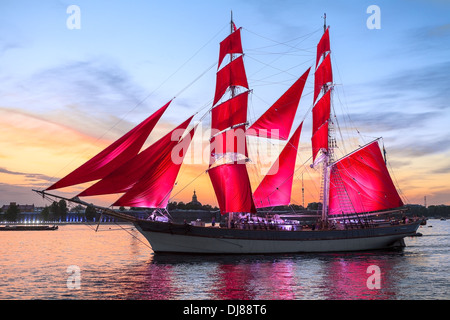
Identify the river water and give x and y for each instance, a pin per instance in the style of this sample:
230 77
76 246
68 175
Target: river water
77 263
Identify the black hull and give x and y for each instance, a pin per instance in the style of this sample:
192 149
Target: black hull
170 237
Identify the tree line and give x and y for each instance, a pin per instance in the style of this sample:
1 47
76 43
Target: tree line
58 211
436 211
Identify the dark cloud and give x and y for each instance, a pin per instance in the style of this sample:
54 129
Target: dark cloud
6 46
425 39
29 176
93 96
380 120
408 88
431 82
422 147
442 170
410 107
97 84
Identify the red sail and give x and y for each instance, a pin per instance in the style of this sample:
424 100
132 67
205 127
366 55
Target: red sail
232 187
126 176
323 76
276 122
320 140
323 46
154 188
275 188
321 111
231 44
113 156
230 141
360 182
230 113
233 74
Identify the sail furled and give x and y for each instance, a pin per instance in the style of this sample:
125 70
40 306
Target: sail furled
154 188
232 188
360 182
126 176
115 155
276 186
233 74
276 122
230 45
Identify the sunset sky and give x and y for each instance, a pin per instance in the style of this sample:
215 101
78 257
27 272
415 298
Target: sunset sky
65 94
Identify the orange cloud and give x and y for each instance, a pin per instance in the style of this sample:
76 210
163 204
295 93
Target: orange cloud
32 145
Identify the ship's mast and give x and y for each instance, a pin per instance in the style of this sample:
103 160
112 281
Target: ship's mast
233 89
233 93
328 154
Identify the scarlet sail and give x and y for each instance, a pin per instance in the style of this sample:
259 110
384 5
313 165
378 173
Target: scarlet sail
360 182
323 75
230 113
321 111
154 188
324 46
230 180
231 44
230 141
232 187
113 156
233 74
127 175
276 122
275 188
319 140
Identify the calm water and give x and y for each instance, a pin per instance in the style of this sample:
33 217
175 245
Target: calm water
118 264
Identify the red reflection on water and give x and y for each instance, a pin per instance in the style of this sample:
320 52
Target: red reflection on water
234 282
257 280
115 265
346 278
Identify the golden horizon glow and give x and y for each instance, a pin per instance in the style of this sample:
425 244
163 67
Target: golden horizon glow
58 150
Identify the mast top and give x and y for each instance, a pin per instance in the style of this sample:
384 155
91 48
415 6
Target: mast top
231 23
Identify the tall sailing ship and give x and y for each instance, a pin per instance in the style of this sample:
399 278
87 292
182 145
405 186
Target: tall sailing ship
354 188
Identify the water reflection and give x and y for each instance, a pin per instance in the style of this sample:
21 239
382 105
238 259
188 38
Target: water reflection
346 276
115 265
283 277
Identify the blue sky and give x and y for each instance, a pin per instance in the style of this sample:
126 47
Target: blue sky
131 57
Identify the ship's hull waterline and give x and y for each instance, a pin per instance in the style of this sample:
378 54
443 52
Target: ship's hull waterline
179 238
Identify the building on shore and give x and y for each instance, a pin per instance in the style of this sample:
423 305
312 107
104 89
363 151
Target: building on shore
194 201
21 207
